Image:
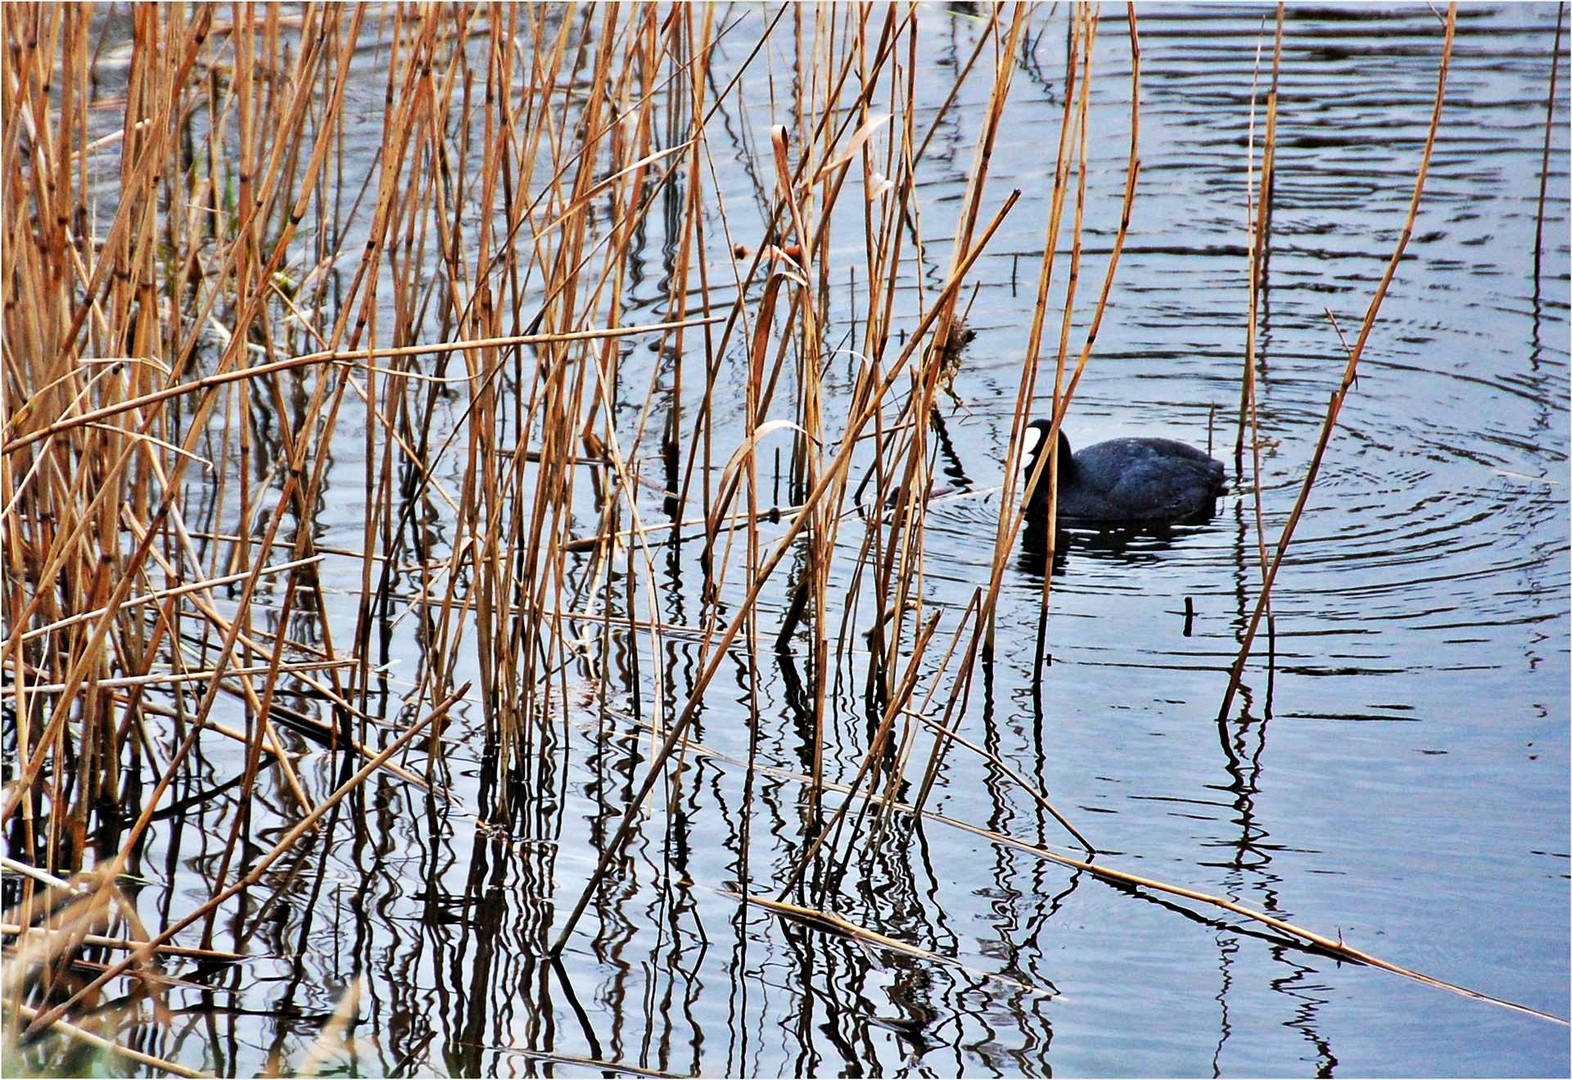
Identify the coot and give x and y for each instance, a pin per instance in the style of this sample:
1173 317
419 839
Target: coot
1125 482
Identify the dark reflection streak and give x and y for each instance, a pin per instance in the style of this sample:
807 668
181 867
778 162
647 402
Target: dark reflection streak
846 1009
1234 738
1241 574
737 999
1289 952
283 1006
1271 669
400 959
373 904
513 978
1022 951
1543 401
668 920
1032 67
944 937
859 964
232 1039
1251 856
617 931
738 137
542 1028
1544 161
1220 922
457 1054
780 802
437 860
176 812
897 910
1034 972
954 467
694 980
464 1051
800 707
988 1035
1227 946
524 887
651 1031
1304 1016
554 965
799 946
1006 899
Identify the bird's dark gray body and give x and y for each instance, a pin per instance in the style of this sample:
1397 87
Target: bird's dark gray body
1128 482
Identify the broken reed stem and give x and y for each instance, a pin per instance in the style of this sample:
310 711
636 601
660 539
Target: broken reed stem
1350 369
158 595
833 923
177 678
1335 947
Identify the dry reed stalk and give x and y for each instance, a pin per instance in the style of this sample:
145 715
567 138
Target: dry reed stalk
1350 370
53 930
977 175
1335 947
898 578
207 675
1258 213
211 956
116 418
139 499
1074 90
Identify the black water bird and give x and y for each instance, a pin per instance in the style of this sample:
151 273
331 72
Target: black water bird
1124 483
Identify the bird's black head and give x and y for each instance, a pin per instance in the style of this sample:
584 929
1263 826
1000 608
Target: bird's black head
1036 441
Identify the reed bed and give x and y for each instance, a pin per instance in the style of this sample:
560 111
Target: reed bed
229 327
